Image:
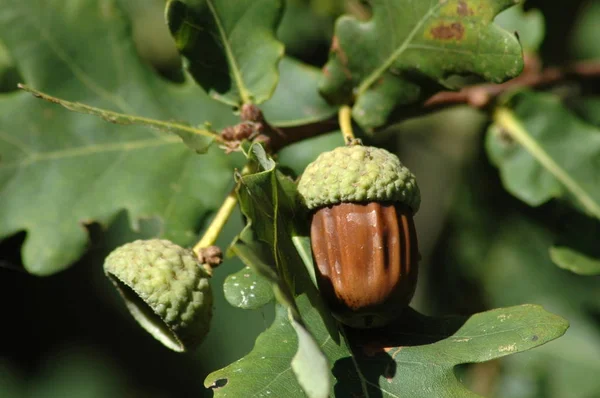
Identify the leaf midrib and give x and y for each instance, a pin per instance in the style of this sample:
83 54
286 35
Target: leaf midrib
235 70
377 73
91 150
506 118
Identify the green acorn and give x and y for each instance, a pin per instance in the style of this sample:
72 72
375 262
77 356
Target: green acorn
362 200
166 290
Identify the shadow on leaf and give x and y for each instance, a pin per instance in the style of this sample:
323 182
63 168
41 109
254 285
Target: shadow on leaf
374 349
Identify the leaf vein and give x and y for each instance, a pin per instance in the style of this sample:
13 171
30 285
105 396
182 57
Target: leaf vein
234 66
377 73
93 149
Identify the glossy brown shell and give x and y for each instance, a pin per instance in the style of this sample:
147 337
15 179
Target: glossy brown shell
366 258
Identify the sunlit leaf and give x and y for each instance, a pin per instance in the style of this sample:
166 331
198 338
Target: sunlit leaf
230 46
60 170
386 61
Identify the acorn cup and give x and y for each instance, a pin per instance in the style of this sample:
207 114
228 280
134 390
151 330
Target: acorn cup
166 290
364 243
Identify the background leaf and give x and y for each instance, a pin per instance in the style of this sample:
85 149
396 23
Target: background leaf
563 369
424 41
544 151
296 100
576 248
60 170
230 47
494 250
247 290
529 25
575 261
583 40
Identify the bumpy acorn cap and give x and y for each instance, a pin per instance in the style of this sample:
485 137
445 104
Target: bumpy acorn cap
165 289
358 174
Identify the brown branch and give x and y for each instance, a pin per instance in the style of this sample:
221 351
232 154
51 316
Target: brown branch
253 125
481 95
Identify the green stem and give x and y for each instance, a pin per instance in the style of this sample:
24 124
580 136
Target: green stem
345 120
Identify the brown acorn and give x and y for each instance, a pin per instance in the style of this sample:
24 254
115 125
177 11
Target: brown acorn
363 238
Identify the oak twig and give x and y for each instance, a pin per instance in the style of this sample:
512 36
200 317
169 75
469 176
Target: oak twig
478 96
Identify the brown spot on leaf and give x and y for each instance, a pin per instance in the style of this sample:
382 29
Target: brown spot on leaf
463 9
448 32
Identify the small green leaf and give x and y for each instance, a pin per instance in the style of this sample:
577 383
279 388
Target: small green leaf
544 151
247 290
381 63
230 47
250 252
9 75
577 248
575 261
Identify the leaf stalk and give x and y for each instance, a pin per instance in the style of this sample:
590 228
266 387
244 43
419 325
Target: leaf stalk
345 120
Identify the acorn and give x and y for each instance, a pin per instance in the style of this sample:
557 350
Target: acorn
363 238
166 290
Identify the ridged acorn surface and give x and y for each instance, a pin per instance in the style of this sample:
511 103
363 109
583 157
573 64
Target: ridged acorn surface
165 289
362 200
